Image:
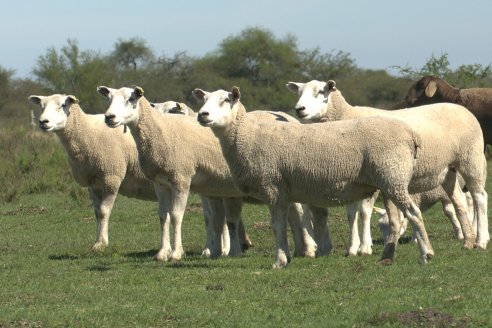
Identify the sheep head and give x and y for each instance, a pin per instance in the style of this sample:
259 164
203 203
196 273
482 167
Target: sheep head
313 98
55 110
123 105
171 107
219 108
425 91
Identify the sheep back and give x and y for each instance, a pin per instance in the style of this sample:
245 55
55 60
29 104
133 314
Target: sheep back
173 148
450 136
322 165
97 155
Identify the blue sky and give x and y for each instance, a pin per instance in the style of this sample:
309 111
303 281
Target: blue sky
377 34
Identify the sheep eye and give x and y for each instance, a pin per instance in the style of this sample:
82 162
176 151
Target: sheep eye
227 100
321 92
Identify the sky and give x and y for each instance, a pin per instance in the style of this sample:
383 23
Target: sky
377 34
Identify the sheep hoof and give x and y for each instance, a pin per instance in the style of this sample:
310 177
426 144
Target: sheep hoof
99 246
385 262
176 256
480 246
469 244
353 250
206 252
246 245
162 256
282 261
389 252
365 249
310 253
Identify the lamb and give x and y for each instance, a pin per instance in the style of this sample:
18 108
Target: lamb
173 107
431 89
443 153
293 163
107 174
195 164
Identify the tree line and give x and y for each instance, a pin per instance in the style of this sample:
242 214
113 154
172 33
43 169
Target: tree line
255 59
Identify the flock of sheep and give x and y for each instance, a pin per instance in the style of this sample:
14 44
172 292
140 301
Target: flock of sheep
412 157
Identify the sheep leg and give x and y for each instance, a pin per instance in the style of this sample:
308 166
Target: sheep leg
308 231
475 182
178 207
479 196
405 204
414 215
164 198
278 213
448 209
304 244
246 242
225 239
394 232
233 207
352 216
458 198
321 230
366 207
212 207
472 214
102 208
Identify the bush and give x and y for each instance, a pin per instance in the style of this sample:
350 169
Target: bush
33 162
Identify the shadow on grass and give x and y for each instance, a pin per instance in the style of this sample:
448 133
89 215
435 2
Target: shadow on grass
401 241
99 267
151 253
192 259
64 257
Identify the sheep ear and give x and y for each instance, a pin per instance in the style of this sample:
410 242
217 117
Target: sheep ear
294 86
431 89
103 90
235 94
199 94
138 91
72 99
178 105
35 99
330 86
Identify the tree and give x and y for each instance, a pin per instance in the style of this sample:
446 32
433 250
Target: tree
321 66
75 72
132 53
464 76
5 86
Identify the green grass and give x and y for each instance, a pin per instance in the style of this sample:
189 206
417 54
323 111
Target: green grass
49 277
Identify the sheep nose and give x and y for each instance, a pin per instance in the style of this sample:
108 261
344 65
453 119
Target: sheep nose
203 114
300 108
109 118
42 123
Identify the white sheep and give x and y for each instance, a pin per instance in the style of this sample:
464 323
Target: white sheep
451 142
311 164
180 156
173 107
104 173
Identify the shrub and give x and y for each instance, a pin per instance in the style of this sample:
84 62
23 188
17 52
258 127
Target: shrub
33 162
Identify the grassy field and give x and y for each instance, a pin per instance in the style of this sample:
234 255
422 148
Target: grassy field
49 277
